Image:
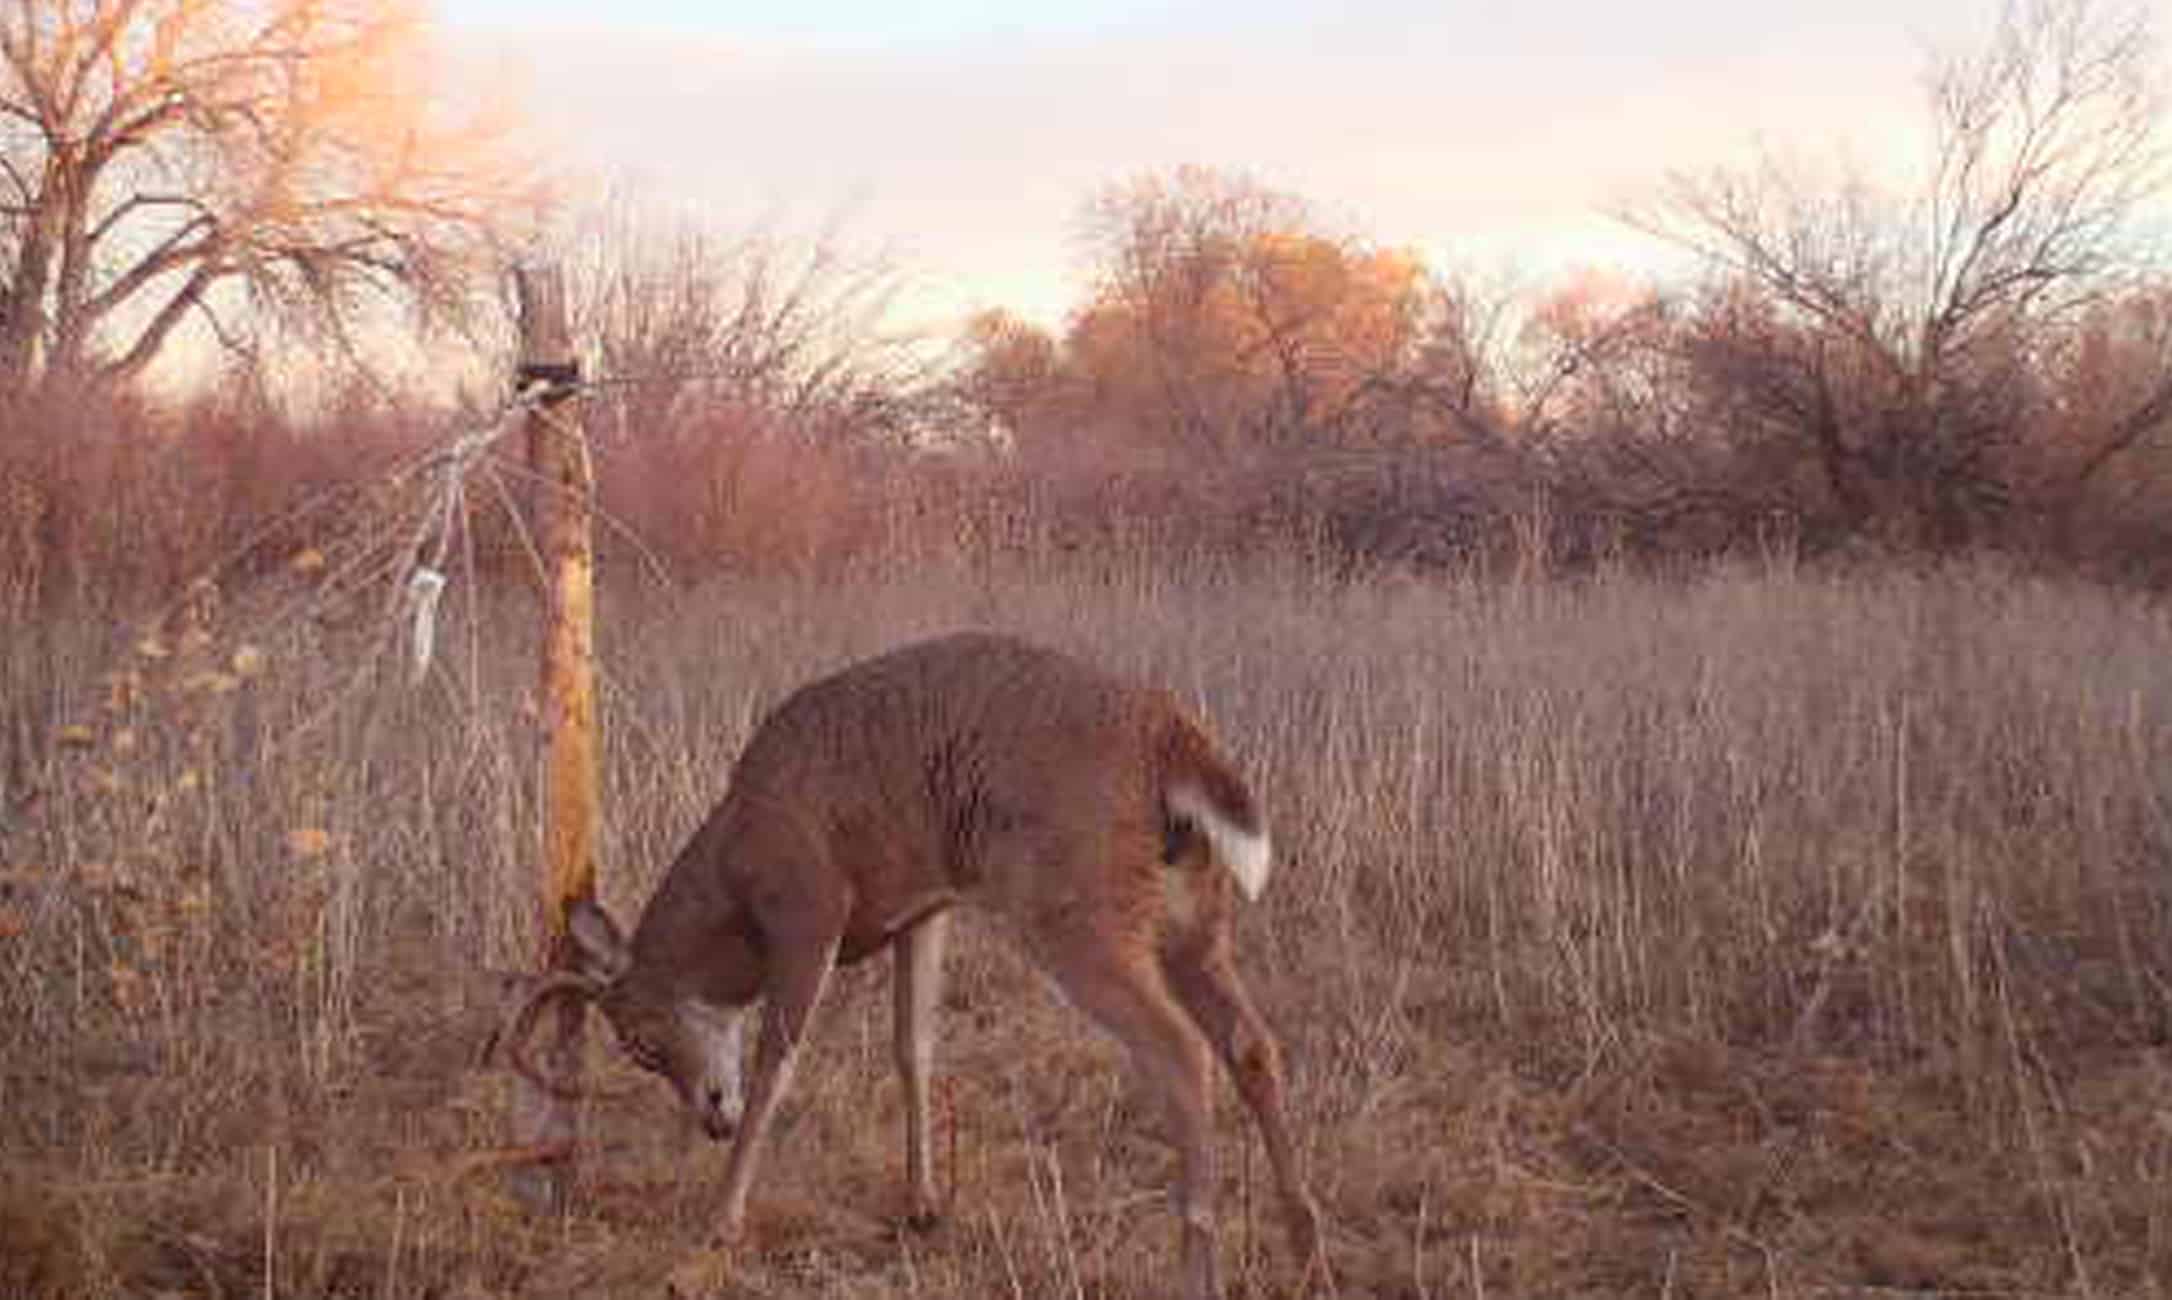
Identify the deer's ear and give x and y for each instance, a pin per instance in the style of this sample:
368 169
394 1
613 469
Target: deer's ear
601 947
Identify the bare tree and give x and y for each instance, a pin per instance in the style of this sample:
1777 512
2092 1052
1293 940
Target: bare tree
1462 379
1893 336
789 332
218 162
2046 146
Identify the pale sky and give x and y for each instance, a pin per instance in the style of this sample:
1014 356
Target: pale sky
964 135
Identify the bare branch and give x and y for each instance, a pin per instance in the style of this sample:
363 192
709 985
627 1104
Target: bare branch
1889 336
284 149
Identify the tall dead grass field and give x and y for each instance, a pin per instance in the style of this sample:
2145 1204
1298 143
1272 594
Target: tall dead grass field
1769 932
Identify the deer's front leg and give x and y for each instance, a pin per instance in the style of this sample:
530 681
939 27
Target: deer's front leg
796 979
918 988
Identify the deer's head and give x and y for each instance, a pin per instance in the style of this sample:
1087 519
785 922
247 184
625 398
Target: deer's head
659 1023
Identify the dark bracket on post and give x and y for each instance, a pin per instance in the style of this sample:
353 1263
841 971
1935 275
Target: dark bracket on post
558 379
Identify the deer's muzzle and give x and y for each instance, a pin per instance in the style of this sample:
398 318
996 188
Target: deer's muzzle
718 1125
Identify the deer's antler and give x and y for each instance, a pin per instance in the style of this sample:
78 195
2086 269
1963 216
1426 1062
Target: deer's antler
513 1034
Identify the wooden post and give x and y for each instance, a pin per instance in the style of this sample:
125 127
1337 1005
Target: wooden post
564 503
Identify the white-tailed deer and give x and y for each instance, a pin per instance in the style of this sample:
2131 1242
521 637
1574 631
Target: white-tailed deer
1094 818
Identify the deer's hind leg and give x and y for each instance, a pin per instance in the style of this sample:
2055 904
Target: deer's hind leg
1204 979
1122 989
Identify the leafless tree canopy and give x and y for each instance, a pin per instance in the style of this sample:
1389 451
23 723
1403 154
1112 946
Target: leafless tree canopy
168 161
779 330
1895 341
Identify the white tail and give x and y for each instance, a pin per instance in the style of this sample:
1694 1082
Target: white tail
1094 818
1246 851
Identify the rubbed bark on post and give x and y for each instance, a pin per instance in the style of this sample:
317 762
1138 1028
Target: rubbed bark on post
565 491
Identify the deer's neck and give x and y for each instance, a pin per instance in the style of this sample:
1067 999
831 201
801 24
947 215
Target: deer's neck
696 938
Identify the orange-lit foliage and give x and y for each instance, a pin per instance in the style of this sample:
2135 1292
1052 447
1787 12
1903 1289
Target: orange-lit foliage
1344 313
1270 336
1222 319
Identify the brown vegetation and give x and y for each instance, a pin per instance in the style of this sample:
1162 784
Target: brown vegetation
1713 735
1770 932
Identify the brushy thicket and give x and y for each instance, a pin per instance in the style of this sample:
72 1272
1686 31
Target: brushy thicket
1763 929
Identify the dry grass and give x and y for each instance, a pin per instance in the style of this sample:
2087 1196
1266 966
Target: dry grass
1771 933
